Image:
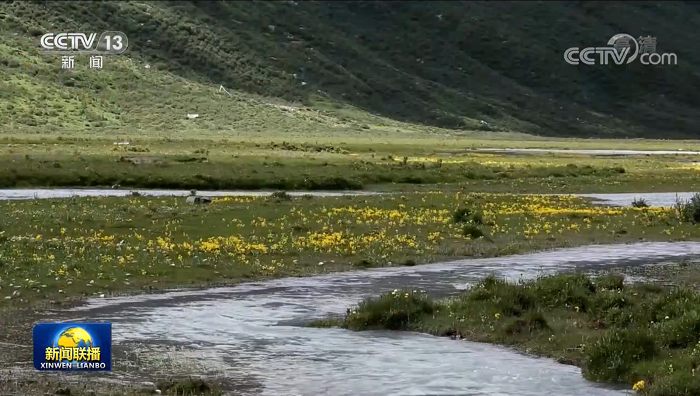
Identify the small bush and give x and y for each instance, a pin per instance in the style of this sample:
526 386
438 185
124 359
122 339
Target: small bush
300 228
610 282
689 210
188 387
280 196
363 263
466 215
681 332
472 231
392 311
529 323
679 383
607 300
640 203
478 218
616 316
36 32
572 290
509 299
611 357
461 215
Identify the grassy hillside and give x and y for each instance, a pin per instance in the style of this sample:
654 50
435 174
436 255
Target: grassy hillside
445 64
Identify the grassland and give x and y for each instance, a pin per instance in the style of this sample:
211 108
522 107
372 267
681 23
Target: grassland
52 250
397 162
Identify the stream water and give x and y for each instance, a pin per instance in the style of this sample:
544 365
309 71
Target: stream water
614 199
252 335
586 151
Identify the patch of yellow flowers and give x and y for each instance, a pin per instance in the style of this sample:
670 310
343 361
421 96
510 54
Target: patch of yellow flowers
272 238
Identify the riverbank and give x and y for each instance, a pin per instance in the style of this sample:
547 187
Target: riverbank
640 334
182 387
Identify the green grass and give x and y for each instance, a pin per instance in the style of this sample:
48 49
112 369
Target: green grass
58 249
615 332
277 171
325 162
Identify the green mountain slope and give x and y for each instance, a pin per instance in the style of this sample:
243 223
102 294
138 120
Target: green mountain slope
447 64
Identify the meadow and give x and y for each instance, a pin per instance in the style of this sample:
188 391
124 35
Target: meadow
420 162
58 249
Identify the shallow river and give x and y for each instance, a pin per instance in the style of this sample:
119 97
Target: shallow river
586 151
42 193
251 333
625 199
615 199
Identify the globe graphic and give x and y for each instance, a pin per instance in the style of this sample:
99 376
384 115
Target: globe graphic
74 337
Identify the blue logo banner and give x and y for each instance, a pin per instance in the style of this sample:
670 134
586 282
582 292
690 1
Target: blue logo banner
73 346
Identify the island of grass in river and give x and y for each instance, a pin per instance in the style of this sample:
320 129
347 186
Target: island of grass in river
642 335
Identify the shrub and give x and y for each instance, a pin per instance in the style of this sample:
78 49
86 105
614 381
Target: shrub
611 357
682 382
472 231
559 290
615 316
364 263
680 332
280 196
610 299
610 282
640 203
461 215
485 289
508 298
529 323
190 386
689 210
478 218
392 311
466 215
671 305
